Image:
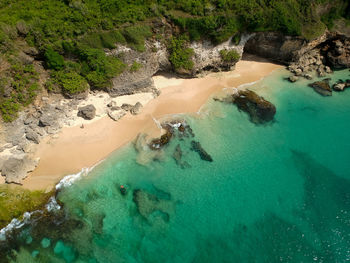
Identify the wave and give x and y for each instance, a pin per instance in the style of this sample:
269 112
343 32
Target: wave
51 206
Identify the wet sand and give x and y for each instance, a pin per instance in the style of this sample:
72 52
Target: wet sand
76 148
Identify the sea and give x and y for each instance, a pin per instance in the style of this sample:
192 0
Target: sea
274 192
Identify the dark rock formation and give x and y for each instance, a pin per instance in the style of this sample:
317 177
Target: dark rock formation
159 143
126 107
274 46
338 53
322 87
87 112
149 205
259 109
197 147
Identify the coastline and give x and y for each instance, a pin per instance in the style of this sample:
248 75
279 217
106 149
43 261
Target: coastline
75 148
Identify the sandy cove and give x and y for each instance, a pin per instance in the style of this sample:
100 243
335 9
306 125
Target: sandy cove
76 147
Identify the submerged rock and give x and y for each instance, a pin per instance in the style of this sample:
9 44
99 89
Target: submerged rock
87 112
197 147
259 109
322 87
177 155
149 205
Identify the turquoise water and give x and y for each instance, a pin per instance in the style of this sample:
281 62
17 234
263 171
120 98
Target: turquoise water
274 193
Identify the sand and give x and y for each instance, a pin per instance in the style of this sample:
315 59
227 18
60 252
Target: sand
75 148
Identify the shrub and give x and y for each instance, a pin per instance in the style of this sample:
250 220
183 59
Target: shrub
70 82
53 59
229 56
135 66
180 55
136 35
9 109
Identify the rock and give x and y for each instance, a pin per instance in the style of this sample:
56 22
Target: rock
322 87
150 205
127 107
136 109
87 112
47 119
16 169
112 104
298 72
159 143
31 135
293 79
196 146
339 86
308 76
259 109
116 114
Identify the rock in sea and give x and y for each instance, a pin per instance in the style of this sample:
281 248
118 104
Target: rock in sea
197 147
322 87
259 109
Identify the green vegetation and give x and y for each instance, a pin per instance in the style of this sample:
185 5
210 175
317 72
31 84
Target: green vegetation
135 66
229 56
17 90
180 54
15 200
71 35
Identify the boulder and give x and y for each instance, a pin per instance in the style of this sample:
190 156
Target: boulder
308 76
127 107
16 169
158 143
87 112
259 109
322 87
116 114
293 79
196 146
136 109
47 119
33 136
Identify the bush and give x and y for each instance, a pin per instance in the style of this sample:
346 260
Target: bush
53 59
136 35
9 109
180 55
135 66
70 82
229 56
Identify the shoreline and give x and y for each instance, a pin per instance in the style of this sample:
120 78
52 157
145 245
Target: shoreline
75 148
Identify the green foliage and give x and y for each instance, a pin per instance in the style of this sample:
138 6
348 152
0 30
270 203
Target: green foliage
23 89
53 59
101 40
70 82
229 56
135 66
180 54
99 68
15 201
136 35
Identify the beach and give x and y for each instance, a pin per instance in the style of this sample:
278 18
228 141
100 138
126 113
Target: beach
75 148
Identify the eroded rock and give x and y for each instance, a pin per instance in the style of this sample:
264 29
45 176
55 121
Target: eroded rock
136 109
260 110
322 87
116 114
87 112
16 169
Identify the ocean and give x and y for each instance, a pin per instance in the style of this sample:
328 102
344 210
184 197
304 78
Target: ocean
278 192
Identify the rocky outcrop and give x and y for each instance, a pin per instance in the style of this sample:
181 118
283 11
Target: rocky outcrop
338 53
197 147
341 85
87 112
274 46
322 87
116 114
15 169
260 110
136 109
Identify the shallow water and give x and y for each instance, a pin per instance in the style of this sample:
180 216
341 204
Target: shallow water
274 193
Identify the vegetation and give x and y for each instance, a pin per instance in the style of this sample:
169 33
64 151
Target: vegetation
180 54
229 55
15 201
71 35
135 66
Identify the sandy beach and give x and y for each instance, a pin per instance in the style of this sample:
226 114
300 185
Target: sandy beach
75 148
